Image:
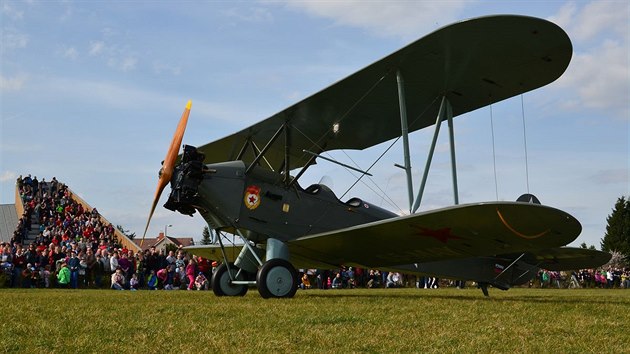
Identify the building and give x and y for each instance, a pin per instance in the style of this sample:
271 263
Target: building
162 241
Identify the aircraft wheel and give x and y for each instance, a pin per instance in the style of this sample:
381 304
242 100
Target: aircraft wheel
277 278
221 283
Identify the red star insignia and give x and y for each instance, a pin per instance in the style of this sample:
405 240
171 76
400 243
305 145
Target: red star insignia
442 235
252 199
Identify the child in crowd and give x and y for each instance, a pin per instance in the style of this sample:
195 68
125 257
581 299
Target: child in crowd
306 282
45 275
133 282
201 282
152 281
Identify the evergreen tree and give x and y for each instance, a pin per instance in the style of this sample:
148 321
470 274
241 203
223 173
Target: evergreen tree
205 236
617 237
127 233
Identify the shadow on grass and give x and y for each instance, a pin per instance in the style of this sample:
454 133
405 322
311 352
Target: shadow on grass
495 296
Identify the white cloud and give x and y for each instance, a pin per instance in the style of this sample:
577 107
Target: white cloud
388 18
128 63
123 64
254 15
96 47
8 176
9 84
598 72
71 53
10 12
160 68
13 39
594 19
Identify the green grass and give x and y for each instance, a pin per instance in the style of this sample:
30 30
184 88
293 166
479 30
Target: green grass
335 321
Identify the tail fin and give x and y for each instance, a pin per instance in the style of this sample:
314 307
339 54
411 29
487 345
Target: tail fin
528 198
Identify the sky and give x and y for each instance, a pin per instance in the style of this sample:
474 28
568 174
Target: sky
91 92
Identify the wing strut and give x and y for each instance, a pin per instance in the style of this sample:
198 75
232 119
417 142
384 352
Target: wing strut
264 150
405 135
510 266
445 113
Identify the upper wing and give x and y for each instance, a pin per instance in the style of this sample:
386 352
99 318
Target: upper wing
461 231
473 63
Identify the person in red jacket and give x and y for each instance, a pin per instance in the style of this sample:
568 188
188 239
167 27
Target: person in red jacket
190 273
203 265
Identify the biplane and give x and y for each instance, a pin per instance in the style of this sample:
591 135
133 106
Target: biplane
247 184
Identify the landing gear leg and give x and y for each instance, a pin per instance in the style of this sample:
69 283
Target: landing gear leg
484 288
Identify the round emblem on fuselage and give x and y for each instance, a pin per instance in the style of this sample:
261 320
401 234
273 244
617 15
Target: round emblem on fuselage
252 197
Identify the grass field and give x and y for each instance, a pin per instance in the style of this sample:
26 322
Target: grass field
337 321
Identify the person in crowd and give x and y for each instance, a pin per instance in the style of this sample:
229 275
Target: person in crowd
306 282
152 280
393 280
203 265
180 261
133 282
170 259
19 262
190 273
118 280
125 265
152 260
73 264
337 282
27 276
90 267
98 271
141 268
162 276
373 278
45 276
201 282
63 276
113 261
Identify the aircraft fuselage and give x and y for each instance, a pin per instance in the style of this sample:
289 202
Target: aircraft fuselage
259 203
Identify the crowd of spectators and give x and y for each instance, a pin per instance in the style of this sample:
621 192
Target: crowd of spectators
350 277
606 278
74 248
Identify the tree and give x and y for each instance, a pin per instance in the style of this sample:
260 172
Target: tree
617 237
583 245
171 247
206 239
130 235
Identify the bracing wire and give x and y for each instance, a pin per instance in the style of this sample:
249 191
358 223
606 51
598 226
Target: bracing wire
525 144
494 156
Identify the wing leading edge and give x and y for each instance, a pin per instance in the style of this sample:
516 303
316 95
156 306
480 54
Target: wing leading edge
456 232
473 63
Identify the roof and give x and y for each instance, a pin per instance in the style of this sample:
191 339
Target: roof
177 241
8 221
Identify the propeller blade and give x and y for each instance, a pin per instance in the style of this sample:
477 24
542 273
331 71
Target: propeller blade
169 163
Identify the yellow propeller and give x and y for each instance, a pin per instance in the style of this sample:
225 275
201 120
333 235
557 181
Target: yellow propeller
169 163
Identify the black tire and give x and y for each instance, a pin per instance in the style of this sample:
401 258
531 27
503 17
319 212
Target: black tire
277 278
221 285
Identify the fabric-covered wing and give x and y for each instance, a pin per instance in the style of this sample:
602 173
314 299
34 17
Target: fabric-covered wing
462 231
473 63
567 258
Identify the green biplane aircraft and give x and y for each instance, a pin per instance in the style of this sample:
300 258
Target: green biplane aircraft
242 184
